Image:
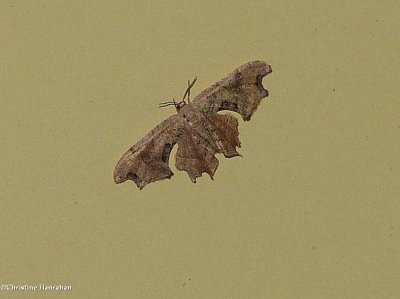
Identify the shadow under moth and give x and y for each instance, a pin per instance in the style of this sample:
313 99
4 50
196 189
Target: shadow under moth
197 128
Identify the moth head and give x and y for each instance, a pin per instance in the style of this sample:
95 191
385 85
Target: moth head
178 105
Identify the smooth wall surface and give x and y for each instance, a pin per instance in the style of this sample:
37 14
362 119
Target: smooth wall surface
311 210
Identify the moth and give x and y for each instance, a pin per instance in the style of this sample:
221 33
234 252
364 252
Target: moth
197 128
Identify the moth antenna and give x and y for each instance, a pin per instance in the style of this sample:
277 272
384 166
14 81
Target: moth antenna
187 92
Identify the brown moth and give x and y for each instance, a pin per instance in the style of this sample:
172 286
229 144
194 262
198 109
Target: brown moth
197 128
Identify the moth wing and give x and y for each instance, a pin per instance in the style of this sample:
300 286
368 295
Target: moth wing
147 161
241 91
199 144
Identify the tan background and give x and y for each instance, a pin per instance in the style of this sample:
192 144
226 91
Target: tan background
310 211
